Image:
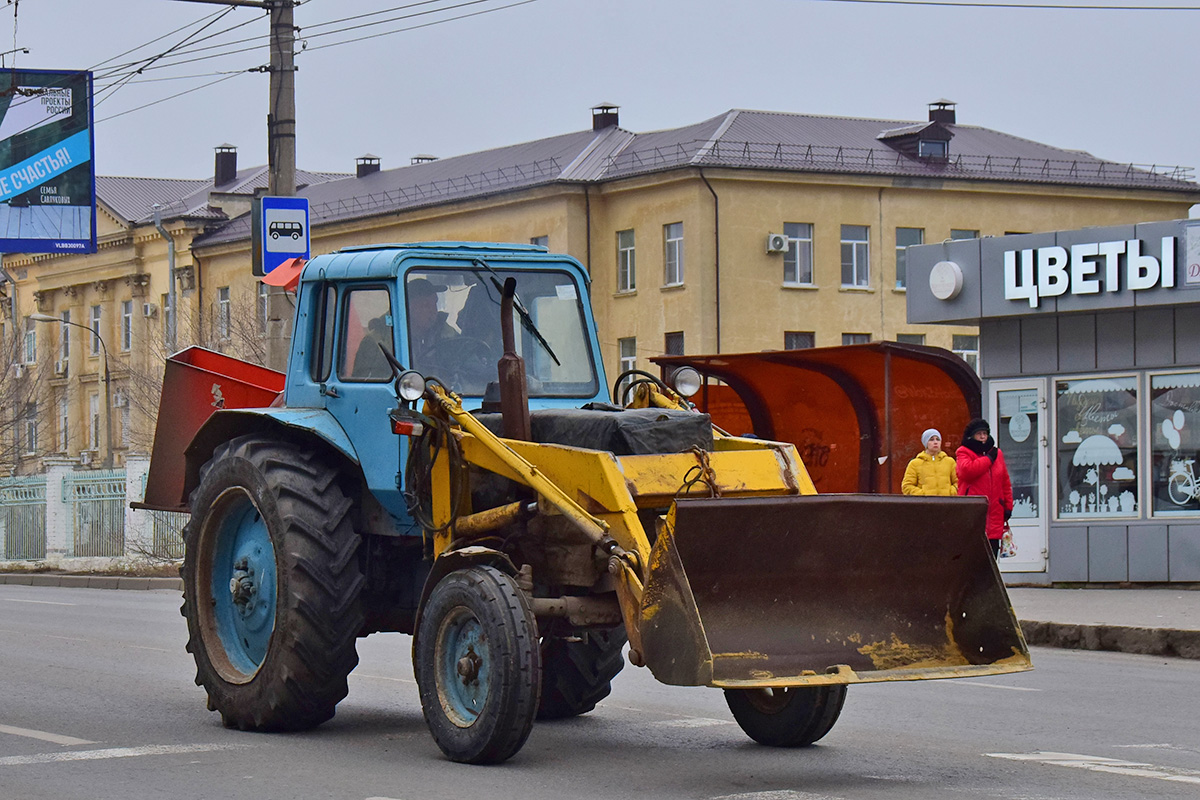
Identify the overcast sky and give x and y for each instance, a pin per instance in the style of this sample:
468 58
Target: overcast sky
1118 84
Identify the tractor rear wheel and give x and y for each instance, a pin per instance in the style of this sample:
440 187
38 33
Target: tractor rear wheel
477 665
786 717
578 674
271 586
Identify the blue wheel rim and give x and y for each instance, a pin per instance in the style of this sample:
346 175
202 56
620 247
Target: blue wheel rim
464 667
243 583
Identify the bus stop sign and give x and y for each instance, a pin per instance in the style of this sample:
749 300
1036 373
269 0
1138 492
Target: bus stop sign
279 231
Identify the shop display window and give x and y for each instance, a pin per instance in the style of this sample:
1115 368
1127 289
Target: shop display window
1175 438
1096 448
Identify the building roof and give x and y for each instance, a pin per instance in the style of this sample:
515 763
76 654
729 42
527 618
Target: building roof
134 199
735 139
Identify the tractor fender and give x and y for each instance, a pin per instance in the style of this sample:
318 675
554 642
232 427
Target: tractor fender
456 560
289 423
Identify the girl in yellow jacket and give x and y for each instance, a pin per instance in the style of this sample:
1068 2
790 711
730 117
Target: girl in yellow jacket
932 472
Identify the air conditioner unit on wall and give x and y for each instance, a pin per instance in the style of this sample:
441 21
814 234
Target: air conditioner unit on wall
777 243
85 457
119 400
18 370
60 367
149 310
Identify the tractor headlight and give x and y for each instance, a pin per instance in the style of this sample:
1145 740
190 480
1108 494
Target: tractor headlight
410 385
686 381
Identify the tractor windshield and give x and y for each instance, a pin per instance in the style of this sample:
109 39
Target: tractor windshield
454 330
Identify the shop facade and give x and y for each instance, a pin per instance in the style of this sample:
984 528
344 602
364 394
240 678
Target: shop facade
1090 360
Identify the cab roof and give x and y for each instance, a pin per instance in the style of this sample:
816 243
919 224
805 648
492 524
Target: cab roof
391 260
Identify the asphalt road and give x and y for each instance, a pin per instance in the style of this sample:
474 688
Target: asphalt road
97 702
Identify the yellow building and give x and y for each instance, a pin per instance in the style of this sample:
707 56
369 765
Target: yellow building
748 231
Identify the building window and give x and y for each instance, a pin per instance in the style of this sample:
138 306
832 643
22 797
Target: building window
628 353
95 330
673 343
932 148
126 325
30 429
967 348
263 306
540 241
1175 443
799 340
673 254
855 271
93 421
30 353
64 418
1096 448
798 260
223 317
856 338
626 262
905 237
910 338
64 351
963 233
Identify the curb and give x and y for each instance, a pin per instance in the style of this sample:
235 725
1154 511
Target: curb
1118 638
77 581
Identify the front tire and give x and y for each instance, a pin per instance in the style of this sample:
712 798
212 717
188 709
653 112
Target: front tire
271 586
477 665
786 717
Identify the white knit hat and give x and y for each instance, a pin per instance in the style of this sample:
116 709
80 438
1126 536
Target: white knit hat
927 435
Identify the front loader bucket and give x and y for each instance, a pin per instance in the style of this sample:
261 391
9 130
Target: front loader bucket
819 589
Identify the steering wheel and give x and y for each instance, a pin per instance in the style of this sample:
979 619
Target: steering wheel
466 363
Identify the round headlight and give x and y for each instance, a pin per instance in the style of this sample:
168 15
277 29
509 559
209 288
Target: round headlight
686 381
410 385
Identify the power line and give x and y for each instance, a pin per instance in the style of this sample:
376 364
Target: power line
418 27
171 97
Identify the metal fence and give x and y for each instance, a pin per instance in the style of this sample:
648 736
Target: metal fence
97 501
168 533
23 515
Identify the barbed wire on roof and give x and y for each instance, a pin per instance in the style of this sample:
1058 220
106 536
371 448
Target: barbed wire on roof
700 152
438 190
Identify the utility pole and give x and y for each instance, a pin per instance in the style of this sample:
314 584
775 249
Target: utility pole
281 149
281 162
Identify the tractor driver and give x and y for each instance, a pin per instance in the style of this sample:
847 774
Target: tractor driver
428 330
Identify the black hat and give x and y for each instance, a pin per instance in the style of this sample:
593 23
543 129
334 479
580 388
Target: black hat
423 286
974 426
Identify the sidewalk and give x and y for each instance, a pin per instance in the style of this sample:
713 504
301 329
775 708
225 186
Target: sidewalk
1147 621
1161 622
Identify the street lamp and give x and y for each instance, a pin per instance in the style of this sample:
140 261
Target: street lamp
108 456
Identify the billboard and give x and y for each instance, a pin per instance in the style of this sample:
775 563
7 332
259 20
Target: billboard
47 173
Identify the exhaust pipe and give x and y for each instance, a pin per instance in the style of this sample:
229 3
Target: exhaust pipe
514 393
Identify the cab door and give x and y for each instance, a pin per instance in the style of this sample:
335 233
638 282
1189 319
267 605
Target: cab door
1019 425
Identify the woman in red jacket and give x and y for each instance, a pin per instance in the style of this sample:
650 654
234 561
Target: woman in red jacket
981 472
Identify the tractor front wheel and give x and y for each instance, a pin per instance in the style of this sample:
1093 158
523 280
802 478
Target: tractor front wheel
786 717
477 665
271 586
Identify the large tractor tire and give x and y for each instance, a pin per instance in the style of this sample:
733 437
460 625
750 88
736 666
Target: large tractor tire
793 717
477 665
576 675
271 586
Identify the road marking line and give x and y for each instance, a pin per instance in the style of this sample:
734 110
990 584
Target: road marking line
993 686
1114 766
692 722
155 649
381 678
43 735
39 602
777 794
116 752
